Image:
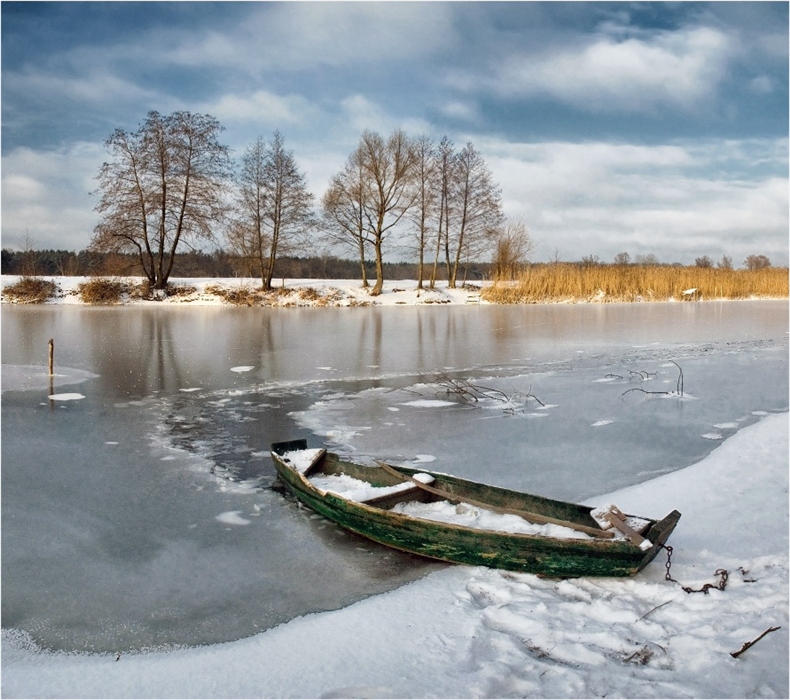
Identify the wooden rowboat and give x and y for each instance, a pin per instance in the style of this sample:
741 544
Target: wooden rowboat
444 517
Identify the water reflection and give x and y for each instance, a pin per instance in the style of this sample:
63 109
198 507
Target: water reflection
143 350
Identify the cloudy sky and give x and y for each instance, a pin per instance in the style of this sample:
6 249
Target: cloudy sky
647 128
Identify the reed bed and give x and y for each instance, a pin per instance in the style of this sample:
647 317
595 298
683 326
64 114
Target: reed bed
617 283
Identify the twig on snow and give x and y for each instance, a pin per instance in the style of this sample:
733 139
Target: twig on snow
650 612
747 645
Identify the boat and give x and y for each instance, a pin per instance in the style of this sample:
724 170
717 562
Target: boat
464 522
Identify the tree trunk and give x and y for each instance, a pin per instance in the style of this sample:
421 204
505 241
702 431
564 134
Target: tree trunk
377 288
364 271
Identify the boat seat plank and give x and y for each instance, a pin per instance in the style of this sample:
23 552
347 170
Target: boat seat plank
387 500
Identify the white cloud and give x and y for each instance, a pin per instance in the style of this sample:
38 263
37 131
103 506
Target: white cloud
465 111
359 113
288 36
261 107
95 87
46 193
669 200
762 85
637 73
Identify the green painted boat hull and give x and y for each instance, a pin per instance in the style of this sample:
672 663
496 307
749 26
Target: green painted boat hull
546 556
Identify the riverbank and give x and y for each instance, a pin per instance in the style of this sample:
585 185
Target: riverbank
123 291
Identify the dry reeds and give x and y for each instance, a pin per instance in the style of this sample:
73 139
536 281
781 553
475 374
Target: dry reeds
30 290
573 282
101 290
279 296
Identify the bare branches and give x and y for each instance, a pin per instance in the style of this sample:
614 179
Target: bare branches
164 183
467 392
647 375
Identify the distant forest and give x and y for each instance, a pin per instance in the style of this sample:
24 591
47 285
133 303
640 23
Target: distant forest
218 263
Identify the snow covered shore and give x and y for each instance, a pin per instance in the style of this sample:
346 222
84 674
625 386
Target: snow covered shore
475 632
290 292
210 291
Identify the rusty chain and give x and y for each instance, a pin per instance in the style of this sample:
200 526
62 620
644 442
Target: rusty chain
722 573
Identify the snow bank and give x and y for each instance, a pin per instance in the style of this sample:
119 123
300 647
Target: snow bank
289 292
476 632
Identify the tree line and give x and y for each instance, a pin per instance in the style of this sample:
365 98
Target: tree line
222 263
172 184
218 263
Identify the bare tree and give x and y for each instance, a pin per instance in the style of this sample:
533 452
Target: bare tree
163 187
288 204
28 254
343 207
386 169
649 259
246 235
756 262
725 263
622 259
444 172
703 261
425 193
514 245
389 166
478 211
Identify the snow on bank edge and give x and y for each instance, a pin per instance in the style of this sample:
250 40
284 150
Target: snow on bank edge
289 292
476 632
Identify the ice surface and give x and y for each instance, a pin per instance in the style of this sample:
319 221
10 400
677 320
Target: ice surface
132 542
477 632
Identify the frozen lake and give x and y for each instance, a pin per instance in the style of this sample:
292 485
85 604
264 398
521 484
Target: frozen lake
140 515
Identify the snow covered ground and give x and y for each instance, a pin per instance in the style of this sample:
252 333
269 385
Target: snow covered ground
298 292
476 632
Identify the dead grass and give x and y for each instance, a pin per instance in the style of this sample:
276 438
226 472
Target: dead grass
102 291
238 296
569 282
30 290
181 290
278 296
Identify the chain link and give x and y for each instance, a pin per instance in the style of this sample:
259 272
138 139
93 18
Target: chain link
722 573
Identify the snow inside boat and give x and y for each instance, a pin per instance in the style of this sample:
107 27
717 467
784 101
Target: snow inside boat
444 517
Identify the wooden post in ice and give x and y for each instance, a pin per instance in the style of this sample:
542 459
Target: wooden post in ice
51 373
